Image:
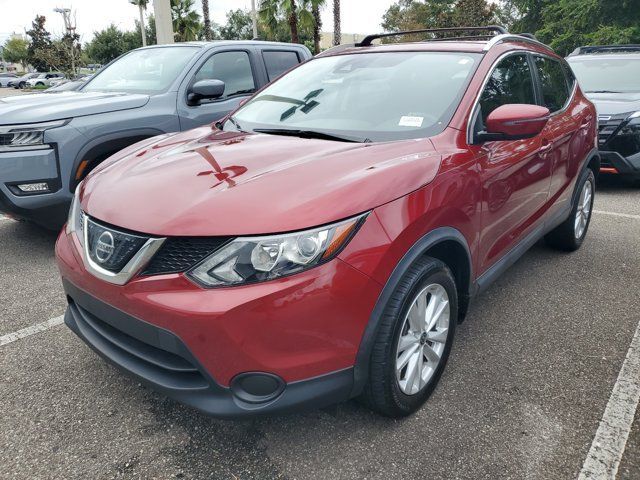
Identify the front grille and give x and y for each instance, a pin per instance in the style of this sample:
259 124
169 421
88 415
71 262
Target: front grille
109 248
148 361
179 254
606 128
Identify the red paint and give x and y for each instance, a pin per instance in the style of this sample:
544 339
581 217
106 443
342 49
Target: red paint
207 183
608 170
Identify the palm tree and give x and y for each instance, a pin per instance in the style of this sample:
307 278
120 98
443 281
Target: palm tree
311 20
142 6
207 21
271 11
186 21
337 34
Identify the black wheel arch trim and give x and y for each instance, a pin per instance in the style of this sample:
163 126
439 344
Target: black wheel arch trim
428 241
113 142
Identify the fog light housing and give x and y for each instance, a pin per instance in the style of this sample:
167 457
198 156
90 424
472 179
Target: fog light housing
257 387
39 187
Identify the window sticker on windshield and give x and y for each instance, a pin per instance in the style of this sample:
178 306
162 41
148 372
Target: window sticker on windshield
407 121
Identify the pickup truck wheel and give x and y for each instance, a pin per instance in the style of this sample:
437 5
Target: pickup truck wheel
570 234
413 340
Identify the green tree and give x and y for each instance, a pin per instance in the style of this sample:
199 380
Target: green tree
110 43
311 21
239 26
272 12
414 15
16 50
40 45
186 21
567 24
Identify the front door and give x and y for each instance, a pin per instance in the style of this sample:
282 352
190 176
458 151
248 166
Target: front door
515 174
235 69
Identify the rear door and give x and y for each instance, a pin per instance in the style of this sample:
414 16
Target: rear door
237 68
563 138
515 175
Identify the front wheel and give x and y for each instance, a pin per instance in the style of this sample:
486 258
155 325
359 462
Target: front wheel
413 341
570 234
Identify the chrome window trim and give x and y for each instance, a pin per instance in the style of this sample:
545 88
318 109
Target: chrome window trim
137 262
476 102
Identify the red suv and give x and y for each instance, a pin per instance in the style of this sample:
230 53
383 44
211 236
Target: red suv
323 241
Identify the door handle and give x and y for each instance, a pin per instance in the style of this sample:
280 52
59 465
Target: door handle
546 146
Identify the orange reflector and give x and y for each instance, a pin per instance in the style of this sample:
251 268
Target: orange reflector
81 169
340 236
608 170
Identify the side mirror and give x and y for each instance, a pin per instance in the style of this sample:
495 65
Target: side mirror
514 122
206 89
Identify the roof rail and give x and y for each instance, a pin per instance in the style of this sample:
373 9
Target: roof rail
605 49
496 29
525 37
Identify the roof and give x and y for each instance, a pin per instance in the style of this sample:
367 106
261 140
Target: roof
480 44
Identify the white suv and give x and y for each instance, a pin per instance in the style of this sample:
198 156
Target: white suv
44 79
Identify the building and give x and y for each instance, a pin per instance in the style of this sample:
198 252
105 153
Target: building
326 39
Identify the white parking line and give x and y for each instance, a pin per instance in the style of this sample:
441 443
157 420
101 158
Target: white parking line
4 219
615 214
33 329
610 441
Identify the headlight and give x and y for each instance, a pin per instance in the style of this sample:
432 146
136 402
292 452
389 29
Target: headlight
627 141
75 221
258 259
26 137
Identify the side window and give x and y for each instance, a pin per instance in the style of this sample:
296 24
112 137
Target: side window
555 90
510 82
233 68
278 62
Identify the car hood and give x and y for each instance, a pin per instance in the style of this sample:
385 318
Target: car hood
41 107
210 183
615 103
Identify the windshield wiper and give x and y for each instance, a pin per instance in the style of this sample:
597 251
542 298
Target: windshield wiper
601 91
309 134
236 124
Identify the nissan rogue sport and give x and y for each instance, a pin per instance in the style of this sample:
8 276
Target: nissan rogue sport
323 241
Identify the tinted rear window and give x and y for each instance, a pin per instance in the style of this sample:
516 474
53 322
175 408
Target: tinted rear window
278 62
555 88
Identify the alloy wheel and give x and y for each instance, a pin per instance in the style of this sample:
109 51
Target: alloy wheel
584 210
422 338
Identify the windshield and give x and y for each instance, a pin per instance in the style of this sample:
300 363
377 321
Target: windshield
607 74
148 71
363 97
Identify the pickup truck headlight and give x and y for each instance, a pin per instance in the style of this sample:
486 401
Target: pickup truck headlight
627 141
26 137
258 259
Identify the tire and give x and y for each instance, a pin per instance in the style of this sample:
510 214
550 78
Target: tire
21 85
567 236
387 389
39 84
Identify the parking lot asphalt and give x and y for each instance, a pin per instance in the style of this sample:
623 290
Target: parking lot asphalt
530 376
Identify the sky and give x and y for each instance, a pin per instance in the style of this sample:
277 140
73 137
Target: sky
358 16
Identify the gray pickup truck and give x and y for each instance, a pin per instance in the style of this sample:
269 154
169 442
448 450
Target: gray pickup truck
49 142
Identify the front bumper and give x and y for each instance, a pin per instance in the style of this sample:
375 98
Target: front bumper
33 166
613 162
193 344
